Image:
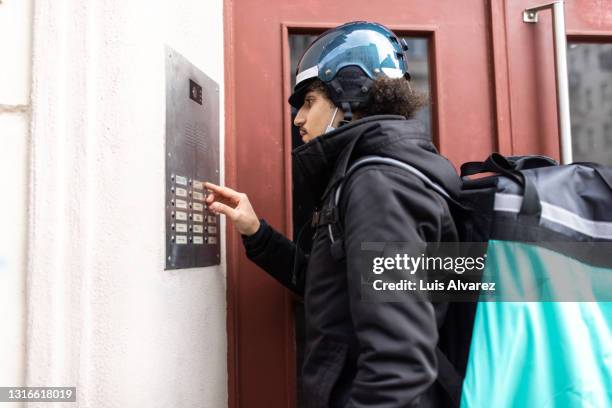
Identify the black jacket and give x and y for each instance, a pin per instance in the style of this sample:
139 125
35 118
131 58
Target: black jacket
361 354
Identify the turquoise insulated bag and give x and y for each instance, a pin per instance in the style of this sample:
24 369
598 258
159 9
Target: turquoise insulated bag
546 340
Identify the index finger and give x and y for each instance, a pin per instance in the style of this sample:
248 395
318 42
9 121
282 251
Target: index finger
223 191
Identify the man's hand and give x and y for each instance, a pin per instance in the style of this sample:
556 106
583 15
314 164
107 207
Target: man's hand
236 206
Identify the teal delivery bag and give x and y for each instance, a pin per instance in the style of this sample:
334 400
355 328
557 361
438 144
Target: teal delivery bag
544 338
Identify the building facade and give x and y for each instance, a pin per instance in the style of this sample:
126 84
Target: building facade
84 294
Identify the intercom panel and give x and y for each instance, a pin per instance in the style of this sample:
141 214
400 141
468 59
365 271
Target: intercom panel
192 157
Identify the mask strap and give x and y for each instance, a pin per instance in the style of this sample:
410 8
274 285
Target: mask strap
333 117
329 127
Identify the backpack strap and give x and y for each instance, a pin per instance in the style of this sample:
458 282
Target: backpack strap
391 162
330 214
449 378
532 161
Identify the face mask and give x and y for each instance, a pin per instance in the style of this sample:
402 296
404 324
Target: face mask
329 127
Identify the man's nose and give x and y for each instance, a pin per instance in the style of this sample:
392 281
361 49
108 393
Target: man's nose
300 118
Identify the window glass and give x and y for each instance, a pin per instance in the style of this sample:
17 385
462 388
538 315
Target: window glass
590 87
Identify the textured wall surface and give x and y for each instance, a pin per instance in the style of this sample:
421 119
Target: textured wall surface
103 315
15 70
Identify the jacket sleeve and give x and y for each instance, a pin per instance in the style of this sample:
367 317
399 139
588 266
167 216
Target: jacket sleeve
278 256
397 340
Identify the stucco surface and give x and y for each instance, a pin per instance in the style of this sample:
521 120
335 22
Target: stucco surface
103 315
15 71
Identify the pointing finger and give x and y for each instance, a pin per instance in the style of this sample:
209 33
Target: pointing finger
223 191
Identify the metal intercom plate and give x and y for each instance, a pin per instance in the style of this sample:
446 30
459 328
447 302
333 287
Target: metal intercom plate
192 157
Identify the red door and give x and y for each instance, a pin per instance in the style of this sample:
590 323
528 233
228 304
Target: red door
492 88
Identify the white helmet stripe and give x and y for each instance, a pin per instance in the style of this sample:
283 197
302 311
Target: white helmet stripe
306 74
393 72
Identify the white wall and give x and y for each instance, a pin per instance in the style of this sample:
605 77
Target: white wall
15 69
103 315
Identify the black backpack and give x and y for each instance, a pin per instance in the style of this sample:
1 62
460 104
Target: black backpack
477 217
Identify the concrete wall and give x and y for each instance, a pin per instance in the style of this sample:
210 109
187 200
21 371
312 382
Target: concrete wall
15 70
102 314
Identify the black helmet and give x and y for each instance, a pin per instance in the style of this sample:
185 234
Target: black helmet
347 59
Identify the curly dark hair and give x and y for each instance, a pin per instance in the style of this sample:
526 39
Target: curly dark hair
388 96
392 96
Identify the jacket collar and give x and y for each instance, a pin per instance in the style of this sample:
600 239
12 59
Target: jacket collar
324 161
318 160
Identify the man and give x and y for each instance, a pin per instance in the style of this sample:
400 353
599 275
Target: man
354 99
